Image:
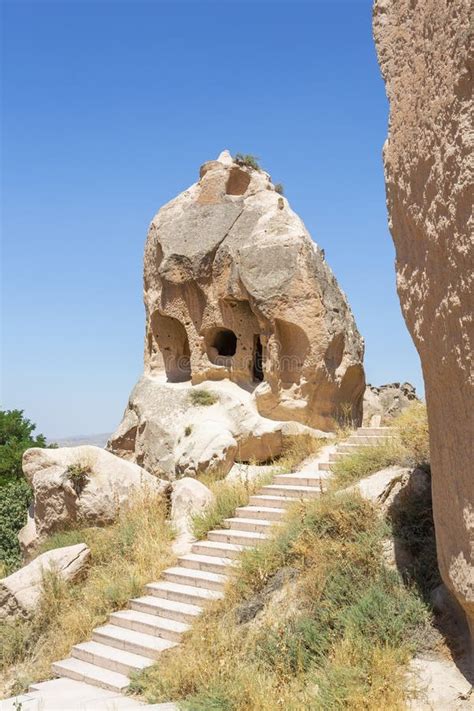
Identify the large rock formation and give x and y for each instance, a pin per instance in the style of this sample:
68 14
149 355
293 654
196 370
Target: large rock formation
20 593
81 485
424 54
385 402
236 290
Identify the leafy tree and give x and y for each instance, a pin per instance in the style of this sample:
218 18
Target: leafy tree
16 436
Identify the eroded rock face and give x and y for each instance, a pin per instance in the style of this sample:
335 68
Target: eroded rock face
20 592
188 498
64 497
171 435
425 58
387 401
236 289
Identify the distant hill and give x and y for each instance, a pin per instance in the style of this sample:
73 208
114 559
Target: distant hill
98 440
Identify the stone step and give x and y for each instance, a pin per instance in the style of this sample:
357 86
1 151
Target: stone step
281 502
375 430
149 624
293 492
209 563
231 550
325 466
98 676
117 660
249 538
197 578
249 524
348 448
299 479
122 638
179 611
270 513
183 593
368 440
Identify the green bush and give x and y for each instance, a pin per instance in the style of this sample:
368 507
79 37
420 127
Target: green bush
16 436
248 160
203 398
79 475
412 428
279 188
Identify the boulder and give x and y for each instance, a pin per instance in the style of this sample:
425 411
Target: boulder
28 536
382 487
20 592
81 485
236 291
425 56
188 497
386 402
166 430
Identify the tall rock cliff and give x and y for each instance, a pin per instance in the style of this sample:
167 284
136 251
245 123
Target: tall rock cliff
426 61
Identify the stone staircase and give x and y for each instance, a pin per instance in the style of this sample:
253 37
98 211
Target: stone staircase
134 638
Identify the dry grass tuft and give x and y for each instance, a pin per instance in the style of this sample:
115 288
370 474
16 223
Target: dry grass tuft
124 557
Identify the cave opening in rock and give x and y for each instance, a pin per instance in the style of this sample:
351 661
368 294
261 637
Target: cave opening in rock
225 342
172 340
257 366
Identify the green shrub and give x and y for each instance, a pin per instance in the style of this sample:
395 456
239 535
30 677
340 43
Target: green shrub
187 430
15 497
203 397
79 475
279 188
248 160
16 436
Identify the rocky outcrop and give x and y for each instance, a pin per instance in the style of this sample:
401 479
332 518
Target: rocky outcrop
20 593
188 498
81 485
425 58
387 401
168 430
235 288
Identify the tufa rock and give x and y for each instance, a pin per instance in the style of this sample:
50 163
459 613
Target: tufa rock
188 497
105 484
425 55
387 401
20 592
171 436
235 288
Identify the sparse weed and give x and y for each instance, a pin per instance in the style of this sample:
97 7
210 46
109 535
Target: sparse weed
248 160
203 397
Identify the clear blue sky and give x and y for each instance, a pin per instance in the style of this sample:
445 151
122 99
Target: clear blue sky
109 108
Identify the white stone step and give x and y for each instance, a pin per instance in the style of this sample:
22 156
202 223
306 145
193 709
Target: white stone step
213 548
270 513
183 593
149 624
368 440
197 578
348 448
249 538
299 479
293 492
103 655
98 676
334 456
375 430
210 563
173 610
249 524
122 638
325 466
281 502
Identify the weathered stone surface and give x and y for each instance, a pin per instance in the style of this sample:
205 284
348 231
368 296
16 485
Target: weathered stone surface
20 592
188 497
170 436
28 536
235 288
59 502
381 487
387 401
425 56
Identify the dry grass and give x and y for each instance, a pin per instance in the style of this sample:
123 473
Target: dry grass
296 451
124 557
338 638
